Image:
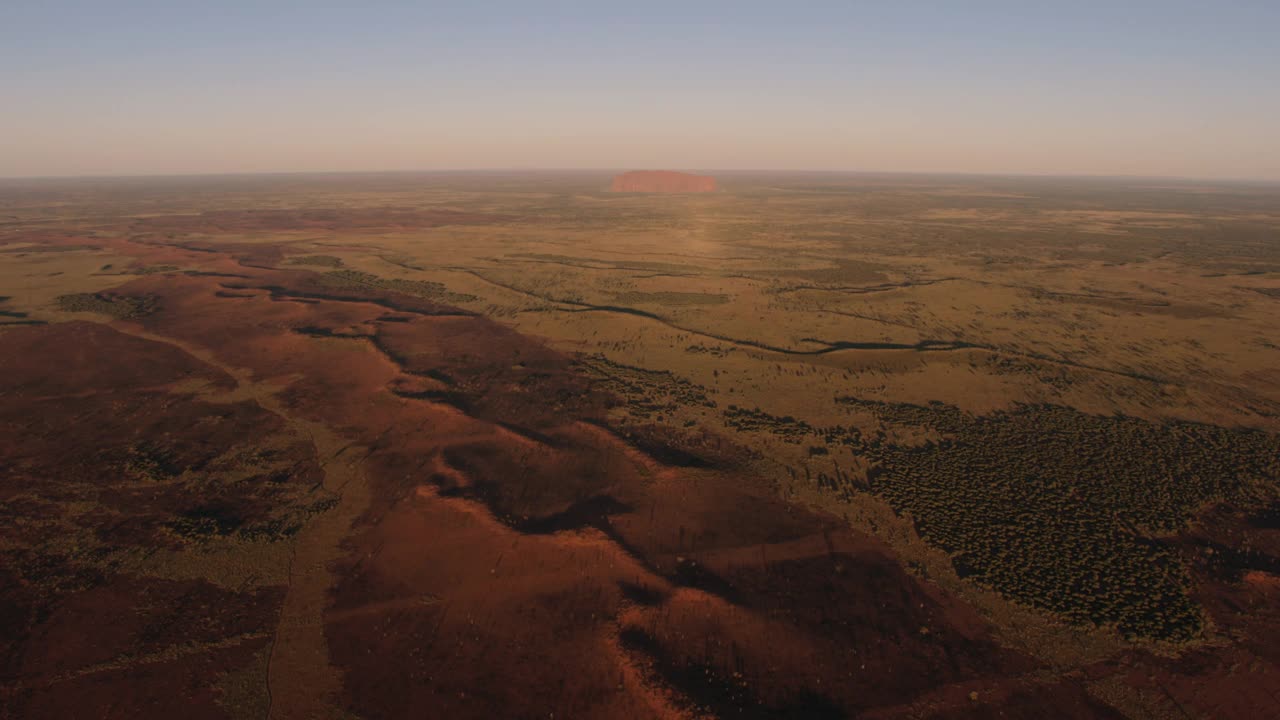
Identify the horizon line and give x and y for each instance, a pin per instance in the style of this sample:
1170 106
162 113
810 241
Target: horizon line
726 171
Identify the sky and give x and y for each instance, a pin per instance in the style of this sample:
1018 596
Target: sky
1167 88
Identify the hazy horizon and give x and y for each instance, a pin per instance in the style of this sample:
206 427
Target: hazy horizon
723 173
1149 90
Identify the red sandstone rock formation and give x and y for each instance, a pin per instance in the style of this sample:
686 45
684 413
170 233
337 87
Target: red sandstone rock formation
662 181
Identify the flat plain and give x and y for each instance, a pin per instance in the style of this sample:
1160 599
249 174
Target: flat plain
510 445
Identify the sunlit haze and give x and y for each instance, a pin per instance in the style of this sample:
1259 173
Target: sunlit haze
1130 88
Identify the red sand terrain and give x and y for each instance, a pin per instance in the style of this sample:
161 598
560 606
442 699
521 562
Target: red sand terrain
85 636
662 181
470 537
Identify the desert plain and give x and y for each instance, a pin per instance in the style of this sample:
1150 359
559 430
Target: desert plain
481 445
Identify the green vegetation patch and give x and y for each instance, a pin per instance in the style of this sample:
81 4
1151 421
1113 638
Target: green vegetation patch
647 394
319 260
1050 506
417 288
1060 509
150 462
756 420
107 303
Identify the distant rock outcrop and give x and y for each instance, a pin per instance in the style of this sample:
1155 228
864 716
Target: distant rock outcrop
662 181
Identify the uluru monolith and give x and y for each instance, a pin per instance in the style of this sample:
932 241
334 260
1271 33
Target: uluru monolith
662 181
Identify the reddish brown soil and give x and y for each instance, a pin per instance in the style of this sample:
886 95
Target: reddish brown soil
662 181
516 556
161 687
81 636
1235 559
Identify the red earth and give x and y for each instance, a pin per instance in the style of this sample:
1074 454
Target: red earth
470 538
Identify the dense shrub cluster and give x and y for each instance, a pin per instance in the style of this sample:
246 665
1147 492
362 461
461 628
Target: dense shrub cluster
320 260
756 420
417 288
1050 506
107 303
1057 508
647 394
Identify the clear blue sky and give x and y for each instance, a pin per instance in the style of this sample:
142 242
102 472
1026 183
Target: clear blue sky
1146 88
